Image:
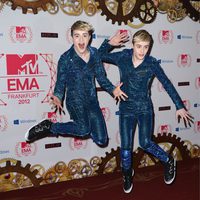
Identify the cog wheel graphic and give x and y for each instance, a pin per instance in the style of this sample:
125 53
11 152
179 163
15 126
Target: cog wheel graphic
170 143
118 15
1 6
147 11
192 11
34 5
25 171
111 157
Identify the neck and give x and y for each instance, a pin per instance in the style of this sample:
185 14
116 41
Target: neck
84 55
136 61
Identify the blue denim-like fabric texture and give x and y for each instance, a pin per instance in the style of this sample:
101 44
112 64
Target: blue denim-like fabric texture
138 108
76 82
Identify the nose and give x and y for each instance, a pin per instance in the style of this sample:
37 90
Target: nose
142 50
81 39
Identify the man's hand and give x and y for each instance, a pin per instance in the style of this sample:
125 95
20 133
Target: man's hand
119 94
185 116
56 103
119 38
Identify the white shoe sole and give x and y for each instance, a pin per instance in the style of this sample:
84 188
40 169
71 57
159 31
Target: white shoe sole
130 189
27 133
171 181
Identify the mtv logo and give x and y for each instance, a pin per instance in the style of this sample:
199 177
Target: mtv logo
22 65
165 34
24 145
184 58
16 121
179 37
164 128
177 129
52 116
21 29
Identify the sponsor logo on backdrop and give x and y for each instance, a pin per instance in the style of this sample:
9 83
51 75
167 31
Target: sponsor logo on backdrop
1 34
25 149
98 36
185 83
180 37
164 128
197 83
163 108
3 123
24 121
53 145
49 35
4 151
197 127
198 37
22 77
76 143
106 113
187 104
182 128
53 116
21 34
184 60
197 105
167 61
165 36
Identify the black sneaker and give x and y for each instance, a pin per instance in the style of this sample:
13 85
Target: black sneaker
38 131
127 179
170 170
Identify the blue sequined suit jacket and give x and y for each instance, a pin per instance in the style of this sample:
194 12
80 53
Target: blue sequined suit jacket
76 78
137 81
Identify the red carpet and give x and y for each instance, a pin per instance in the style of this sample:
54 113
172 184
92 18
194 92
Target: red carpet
148 185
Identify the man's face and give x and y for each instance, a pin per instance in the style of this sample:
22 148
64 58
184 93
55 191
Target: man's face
80 39
140 49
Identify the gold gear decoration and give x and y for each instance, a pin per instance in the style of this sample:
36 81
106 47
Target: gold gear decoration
90 9
7 179
79 168
50 176
175 12
52 9
135 26
170 143
114 10
147 11
86 171
110 163
1 6
57 173
71 7
74 166
33 5
195 151
60 167
192 9
40 168
18 176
